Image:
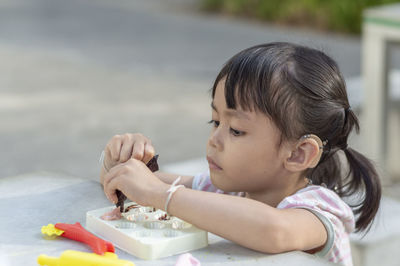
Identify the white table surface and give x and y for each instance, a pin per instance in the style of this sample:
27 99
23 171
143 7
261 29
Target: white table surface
31 201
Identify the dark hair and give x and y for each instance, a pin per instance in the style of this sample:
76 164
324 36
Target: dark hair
302 91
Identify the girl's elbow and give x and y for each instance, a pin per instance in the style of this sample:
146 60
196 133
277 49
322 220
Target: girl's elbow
276 240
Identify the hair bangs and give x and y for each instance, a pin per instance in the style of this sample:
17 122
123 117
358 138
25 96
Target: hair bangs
243 86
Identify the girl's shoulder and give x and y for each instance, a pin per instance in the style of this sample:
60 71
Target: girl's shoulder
323 201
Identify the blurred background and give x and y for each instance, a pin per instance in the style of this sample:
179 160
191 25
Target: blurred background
74 73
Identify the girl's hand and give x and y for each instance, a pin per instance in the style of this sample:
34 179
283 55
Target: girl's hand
137 182
123 147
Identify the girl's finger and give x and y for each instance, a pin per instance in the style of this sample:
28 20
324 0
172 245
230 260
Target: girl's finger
148 152
107 157
138 150
109 190
112 173
115 147
126 149
110 178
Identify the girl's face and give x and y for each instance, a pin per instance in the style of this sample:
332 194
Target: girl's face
243 148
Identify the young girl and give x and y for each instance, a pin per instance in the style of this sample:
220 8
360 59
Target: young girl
280 120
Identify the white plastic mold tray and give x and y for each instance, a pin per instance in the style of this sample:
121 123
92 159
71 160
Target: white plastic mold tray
147 233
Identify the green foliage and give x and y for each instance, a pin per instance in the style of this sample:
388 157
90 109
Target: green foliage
332 15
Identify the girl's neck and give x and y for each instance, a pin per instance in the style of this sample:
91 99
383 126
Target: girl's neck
273 196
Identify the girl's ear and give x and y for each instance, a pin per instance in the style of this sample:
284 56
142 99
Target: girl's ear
306 154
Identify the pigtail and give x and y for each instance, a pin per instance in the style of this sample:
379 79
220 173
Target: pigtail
362 177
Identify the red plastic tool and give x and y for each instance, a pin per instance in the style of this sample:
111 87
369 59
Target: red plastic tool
78 233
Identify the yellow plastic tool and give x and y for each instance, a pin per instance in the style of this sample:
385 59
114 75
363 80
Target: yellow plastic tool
78 258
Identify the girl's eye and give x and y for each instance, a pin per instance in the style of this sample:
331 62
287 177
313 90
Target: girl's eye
214 122
236 133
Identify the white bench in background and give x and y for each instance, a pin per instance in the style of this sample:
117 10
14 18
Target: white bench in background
381 26
381 246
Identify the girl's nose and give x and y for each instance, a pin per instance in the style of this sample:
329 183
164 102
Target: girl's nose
215 139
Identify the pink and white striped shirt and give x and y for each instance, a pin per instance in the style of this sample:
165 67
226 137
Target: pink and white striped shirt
334 213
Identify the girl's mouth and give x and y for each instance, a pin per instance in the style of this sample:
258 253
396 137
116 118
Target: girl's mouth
212 164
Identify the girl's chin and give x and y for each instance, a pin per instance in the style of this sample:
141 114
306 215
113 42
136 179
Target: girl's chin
216 181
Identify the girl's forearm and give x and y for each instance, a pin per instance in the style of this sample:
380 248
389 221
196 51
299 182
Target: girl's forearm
247 222
169 178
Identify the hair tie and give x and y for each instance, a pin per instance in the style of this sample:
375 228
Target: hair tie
344 147
346 115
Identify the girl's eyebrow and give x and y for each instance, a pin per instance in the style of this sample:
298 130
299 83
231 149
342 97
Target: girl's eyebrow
232 112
